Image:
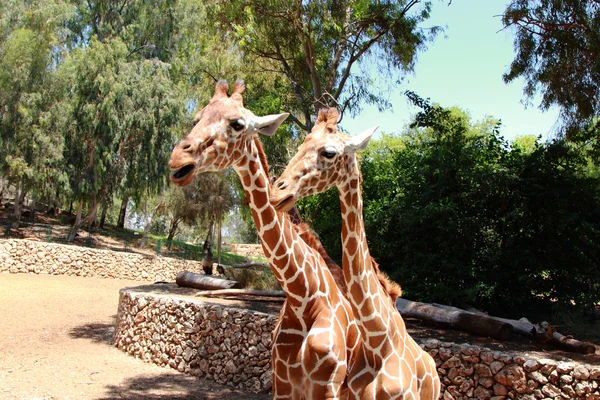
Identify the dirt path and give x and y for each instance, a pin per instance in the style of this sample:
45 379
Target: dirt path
55 334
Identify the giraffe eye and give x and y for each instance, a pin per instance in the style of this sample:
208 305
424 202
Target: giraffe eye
328 153
237 125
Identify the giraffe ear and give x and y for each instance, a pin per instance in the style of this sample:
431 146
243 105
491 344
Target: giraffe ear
268 124
359 142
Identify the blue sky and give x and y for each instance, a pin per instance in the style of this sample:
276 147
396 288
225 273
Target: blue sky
464 68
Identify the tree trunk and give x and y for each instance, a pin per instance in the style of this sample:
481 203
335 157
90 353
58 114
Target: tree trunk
148 224
1 190
174 225
455 318
209 235
103 216
91 218
33 205
122 212
199 281
77 223
220 216
18 206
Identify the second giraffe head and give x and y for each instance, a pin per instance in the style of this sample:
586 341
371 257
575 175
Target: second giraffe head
325 159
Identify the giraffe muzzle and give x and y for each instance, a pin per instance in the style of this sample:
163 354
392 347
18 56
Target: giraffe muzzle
183 176
283 205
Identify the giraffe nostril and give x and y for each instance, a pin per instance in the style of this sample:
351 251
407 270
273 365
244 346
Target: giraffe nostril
282 185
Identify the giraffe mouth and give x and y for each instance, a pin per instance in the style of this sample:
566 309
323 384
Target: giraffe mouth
182 176
285 204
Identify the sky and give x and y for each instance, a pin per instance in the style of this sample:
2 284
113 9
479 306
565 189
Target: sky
463 67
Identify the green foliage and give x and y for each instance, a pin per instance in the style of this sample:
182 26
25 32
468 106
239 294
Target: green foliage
458 216
558 48
315 45
31 94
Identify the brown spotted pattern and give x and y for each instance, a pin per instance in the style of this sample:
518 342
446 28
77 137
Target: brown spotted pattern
395 367
316 338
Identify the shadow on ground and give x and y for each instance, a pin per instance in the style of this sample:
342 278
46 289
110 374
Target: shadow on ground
174 386
99 333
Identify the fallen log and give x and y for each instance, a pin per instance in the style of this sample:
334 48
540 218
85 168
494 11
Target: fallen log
455 318
546 334
199 281
479 323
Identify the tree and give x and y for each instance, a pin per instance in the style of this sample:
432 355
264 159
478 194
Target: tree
328 51
153 111
207 199
459 216
30 96
558 53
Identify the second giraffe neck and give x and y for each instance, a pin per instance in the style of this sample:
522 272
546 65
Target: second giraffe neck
356 259
367 296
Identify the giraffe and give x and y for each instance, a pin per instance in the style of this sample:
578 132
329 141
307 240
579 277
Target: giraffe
316 337
397 368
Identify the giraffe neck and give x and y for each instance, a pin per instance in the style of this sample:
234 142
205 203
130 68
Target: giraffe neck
281 243
370 302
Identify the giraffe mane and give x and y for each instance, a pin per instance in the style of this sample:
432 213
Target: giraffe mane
262 156
391 287
311 239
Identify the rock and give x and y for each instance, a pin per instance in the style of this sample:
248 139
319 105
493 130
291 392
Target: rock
550 390
482 393
512 376
452 362
581 372
564 368
496 366
500 390
483 371
538 377
531 365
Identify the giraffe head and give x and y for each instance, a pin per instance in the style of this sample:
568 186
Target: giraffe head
324 160
221 131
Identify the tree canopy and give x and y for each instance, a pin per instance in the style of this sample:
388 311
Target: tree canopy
558 55
459 216
326 50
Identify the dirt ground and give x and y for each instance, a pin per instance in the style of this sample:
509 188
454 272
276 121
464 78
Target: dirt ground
55 343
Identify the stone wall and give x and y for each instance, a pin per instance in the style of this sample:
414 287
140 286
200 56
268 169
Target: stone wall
232 346
469 372
228 345
26 256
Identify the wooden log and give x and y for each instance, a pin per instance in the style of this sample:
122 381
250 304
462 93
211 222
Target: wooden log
455 318
245 292
544 333
199 281
478 323
571 344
